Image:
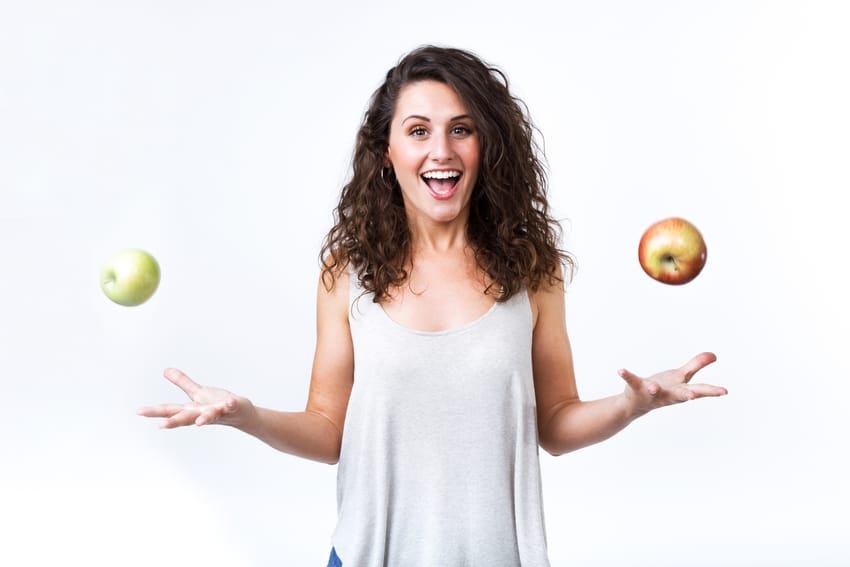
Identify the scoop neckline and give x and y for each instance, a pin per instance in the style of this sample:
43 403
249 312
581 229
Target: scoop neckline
452 330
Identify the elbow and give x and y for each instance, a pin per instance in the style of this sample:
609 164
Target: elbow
553 431
328 454
333 450
554 449
319 455
549 443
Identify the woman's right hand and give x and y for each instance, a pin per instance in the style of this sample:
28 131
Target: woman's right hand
208 405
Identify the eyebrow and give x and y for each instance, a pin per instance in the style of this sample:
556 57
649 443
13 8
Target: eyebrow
426 119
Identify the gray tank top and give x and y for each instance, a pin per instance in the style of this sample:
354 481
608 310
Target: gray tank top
439 464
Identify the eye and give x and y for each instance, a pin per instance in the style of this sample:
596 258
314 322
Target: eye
418 131
461 130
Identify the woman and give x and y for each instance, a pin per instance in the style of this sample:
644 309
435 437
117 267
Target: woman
442 357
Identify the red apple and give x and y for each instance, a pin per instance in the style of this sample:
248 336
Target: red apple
672 251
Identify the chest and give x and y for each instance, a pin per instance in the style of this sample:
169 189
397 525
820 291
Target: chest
439 300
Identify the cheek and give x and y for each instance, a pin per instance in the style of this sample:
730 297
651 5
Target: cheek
397 156
472 155
473 163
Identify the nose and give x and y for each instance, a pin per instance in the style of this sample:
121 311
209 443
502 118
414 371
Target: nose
441 147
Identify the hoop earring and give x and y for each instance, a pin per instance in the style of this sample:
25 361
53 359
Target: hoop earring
384 177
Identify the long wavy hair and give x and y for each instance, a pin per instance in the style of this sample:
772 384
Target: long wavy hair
514 237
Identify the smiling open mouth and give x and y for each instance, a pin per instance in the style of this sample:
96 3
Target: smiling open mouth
442 184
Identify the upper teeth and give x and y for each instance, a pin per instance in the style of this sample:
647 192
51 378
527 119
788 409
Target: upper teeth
441 174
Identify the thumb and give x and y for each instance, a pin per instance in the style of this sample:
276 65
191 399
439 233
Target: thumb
179 379
637 383
632 380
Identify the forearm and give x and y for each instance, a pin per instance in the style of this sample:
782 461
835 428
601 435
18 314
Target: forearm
577 424
306 434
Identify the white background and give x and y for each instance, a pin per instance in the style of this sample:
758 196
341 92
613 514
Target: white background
217 135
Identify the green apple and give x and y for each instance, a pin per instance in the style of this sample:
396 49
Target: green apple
130 277
672 251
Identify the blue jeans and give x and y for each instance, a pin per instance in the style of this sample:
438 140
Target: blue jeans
334 559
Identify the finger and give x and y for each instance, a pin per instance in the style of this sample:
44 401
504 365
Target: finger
214 413
697 363
182 381
181 419
637 383
208 416
161 410
707 390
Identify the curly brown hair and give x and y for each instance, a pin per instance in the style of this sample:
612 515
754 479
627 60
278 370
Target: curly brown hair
515 239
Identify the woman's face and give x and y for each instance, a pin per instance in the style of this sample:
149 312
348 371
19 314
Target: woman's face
435 153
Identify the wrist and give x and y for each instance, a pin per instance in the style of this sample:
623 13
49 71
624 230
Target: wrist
246 417
630 408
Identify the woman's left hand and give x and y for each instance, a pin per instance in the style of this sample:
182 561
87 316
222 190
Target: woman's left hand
669 387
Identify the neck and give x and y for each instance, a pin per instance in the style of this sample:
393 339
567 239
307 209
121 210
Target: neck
438 238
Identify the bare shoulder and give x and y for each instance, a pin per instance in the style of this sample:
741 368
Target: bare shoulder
547 301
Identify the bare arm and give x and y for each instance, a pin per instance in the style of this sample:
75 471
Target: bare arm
316 432
567 423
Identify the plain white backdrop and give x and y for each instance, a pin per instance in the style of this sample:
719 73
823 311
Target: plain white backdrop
217 135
